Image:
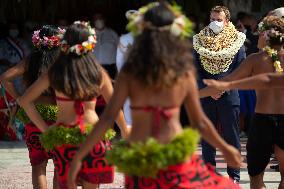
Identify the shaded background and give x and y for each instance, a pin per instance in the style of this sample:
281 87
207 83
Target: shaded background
49 11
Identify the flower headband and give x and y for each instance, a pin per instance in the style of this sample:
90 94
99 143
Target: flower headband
47 41
84 47
270 31
181 25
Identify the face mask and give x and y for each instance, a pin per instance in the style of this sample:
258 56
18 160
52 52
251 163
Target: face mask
14 33
99 24
216 26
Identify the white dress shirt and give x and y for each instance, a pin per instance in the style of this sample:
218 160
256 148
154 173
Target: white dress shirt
125 42
105 49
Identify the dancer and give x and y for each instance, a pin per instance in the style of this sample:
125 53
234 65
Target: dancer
268 119
158 78
77 80
46 42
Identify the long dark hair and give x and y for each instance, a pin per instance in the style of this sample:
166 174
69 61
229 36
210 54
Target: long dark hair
41 58
77 76
158 58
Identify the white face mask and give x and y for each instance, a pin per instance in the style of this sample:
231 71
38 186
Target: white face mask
216 26
99 24
14 33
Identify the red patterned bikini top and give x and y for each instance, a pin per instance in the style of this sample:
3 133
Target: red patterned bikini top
158 113
79 110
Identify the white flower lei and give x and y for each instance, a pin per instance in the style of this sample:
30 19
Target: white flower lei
84 47
220 61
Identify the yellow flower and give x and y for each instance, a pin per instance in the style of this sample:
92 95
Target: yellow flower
87 45
278 67
273 53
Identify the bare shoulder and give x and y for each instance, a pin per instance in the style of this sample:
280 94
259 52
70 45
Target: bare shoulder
256 57
189 75
188 80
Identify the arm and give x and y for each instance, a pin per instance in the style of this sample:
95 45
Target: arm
107 92
200 121
261 81
110 113
27 101
7 78
244 70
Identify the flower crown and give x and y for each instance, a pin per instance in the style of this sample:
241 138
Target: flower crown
84 47
181 25
47 41
270 32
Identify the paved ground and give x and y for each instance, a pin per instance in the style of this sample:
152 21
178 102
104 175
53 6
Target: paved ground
15 170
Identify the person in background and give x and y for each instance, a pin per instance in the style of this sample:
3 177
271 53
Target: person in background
107 41
248 25
219 51
124 45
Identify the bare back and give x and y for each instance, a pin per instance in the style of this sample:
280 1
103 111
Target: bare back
269 101
143 121
67 113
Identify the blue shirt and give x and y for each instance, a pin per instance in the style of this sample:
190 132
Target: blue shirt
229 97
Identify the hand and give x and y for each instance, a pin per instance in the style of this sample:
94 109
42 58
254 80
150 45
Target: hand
73 172
216 96
233 157
220 85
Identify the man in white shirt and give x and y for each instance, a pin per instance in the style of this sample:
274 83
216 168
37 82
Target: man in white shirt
105 49
123 47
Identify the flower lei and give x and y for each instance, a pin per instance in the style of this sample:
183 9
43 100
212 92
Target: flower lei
217 51
151 156
47 41
59 135
273 54
84 47
181 26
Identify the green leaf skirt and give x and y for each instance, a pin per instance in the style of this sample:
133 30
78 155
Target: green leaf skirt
59 135
47 112
148 158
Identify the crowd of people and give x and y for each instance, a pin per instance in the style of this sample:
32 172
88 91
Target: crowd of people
227 78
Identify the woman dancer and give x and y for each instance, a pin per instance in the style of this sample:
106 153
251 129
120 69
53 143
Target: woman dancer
77 80
268 120
46 43
158 77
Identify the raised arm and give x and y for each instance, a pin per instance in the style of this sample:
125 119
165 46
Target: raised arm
261 81
244 70
106 120
11 74
107 92
199 120
27 101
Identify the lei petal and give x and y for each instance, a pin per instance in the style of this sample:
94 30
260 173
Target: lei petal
216 62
